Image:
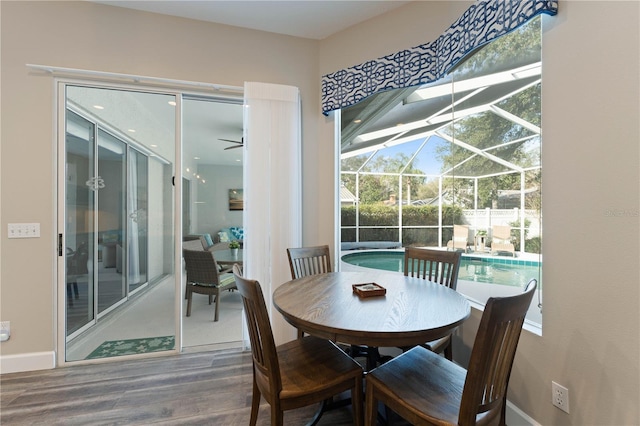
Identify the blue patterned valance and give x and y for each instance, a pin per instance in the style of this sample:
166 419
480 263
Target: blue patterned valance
483 22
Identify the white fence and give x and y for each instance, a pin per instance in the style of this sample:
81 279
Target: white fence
486 218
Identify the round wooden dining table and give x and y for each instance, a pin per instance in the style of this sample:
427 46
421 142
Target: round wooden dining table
413 310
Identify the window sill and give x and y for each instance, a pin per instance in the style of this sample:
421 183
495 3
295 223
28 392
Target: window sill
528 325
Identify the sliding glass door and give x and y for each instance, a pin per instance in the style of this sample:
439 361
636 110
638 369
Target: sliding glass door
118 208
79 222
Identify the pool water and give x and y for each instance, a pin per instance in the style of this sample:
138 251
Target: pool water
511 272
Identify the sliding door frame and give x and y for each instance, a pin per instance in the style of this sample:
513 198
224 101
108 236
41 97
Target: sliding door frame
61 85
64 77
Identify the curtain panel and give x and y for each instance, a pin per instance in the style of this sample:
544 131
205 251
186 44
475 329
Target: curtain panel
483 22
272 214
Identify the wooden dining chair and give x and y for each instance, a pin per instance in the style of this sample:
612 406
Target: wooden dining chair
204 277
297 373
305 261
425 388
440 267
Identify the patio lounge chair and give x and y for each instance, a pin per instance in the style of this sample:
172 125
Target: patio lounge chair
501 240
204 277
459 239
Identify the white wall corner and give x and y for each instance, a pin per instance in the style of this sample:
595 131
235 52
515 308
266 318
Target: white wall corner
27 362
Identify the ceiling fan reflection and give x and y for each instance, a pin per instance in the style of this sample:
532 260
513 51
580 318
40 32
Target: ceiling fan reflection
239 143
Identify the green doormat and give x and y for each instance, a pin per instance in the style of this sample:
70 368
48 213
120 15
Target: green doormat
113 348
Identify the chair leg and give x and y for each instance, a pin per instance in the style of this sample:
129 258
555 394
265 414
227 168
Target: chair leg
503 412
300 334
189 297
255 403
217 301
356 402
371 407
448 351
277 416
69 295
374 358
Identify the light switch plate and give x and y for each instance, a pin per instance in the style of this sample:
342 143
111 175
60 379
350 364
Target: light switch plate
24 230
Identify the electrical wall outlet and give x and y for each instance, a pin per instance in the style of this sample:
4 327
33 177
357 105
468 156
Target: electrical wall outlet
5 330
560 396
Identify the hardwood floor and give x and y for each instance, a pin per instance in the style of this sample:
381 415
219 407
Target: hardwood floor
205 388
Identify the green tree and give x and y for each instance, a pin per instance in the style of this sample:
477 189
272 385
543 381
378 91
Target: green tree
428 190
377 188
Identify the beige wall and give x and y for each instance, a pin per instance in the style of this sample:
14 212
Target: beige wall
591 161
90 36
590 158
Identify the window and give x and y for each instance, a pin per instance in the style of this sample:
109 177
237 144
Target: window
464 150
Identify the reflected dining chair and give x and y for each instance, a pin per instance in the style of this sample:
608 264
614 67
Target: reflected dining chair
436 266
204 277
425 388
297 373
76 268
305 261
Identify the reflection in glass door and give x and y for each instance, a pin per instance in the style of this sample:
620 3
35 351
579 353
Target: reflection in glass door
79 222
137 219
109 192
118 209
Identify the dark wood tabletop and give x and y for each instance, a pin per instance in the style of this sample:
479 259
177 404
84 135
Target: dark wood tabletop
412 311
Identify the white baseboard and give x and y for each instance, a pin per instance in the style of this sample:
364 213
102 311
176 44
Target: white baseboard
517 417
27 362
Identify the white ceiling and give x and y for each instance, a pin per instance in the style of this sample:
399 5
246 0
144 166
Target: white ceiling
205 123
314 19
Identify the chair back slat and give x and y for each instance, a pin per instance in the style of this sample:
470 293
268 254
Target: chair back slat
305 261
263 347
433 265
492 356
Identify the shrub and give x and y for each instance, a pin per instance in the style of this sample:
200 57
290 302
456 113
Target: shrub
385 220
533 245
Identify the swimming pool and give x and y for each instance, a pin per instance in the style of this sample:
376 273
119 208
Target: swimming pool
492 270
